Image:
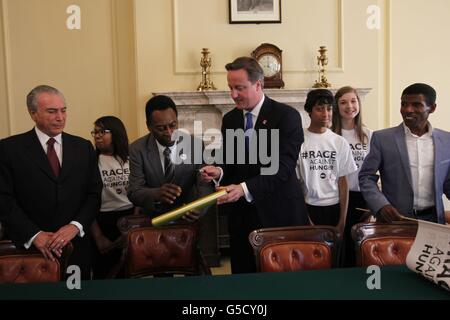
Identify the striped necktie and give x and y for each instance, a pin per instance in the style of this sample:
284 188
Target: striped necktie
169 168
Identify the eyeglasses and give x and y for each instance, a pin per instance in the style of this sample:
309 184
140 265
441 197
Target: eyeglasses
100 132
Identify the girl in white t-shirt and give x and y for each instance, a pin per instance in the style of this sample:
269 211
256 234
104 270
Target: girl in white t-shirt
348 123
324 163
111 143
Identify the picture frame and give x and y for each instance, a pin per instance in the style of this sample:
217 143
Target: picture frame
254 11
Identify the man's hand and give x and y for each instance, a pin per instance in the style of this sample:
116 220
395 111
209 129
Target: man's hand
388 213
168 193
191 216
235 192
208 173
41 243
62 237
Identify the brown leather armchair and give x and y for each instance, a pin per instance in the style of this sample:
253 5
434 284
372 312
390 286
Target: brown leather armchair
383 244
26 266
148 250
294 248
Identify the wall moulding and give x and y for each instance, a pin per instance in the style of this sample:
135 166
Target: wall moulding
179 69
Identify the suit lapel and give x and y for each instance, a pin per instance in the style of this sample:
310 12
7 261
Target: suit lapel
238 119
154 160
264 115
70 153
37 154
400 140
439 144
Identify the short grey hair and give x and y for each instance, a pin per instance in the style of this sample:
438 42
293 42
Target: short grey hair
32 97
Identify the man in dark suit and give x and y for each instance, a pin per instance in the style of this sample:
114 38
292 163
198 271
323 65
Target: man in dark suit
258 199
50 186
162 176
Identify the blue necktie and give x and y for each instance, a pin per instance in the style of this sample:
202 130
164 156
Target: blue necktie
248 129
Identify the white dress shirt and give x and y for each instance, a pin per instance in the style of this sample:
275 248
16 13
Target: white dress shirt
421 161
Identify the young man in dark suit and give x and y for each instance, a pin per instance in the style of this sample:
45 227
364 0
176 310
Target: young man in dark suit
50 186
256 199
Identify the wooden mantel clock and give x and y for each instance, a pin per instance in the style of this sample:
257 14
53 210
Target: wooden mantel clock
269 57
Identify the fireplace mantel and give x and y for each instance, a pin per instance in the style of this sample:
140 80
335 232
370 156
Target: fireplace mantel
210 106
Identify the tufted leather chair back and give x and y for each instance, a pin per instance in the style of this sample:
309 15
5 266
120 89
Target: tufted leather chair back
162 250
383 244
27 266
294 248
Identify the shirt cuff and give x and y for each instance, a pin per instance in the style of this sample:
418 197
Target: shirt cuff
80 228
28 244
247 194
217 182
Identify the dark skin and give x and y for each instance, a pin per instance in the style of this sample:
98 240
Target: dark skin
415 112
321 116
162 125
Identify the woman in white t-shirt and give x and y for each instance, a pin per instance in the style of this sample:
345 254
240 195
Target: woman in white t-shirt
348 123
111 143
324 163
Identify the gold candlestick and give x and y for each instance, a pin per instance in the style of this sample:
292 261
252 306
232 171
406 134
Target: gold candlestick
205 63
322 61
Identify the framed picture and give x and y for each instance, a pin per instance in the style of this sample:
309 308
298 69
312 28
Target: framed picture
255 11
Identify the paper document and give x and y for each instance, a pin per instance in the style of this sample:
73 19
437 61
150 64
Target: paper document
430 253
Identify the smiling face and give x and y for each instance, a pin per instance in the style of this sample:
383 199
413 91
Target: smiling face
348 105
415 112
245 94
50 114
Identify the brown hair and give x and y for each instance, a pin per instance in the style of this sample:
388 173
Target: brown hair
254 70
337 122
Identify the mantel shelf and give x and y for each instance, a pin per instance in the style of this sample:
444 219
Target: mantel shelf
210 106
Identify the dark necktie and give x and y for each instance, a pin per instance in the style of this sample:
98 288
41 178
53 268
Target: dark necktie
248 129
169 168
52 157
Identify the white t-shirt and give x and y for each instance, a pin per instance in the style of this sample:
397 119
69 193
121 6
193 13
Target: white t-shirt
115 183
324 158
360 151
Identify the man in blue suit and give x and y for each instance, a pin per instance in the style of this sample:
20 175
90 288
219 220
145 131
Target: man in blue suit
413 160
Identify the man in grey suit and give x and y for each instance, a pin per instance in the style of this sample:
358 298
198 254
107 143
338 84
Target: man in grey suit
413 160
156 183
